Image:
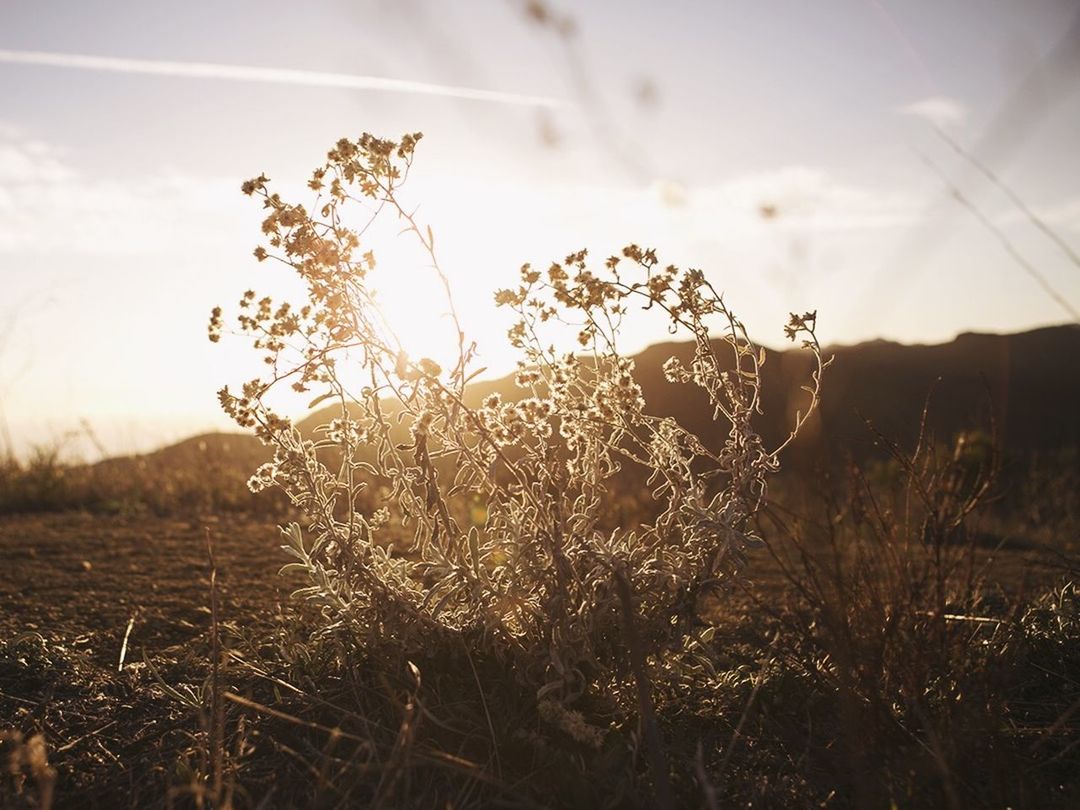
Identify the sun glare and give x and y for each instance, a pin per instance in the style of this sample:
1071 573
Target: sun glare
418 312
479 248
418 308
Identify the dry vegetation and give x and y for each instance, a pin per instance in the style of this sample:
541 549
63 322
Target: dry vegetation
477 621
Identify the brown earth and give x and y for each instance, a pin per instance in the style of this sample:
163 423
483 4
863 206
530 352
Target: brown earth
69 586
79 579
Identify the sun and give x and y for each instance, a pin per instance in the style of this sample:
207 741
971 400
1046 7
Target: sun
417 307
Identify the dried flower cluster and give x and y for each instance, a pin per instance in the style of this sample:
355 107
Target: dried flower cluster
426 519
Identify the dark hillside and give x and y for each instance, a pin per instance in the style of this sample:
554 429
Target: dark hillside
1027 385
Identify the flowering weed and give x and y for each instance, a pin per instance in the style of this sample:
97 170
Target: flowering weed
487 523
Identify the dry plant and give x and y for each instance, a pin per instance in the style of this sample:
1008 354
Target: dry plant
27 770
489 522
908 671
195 477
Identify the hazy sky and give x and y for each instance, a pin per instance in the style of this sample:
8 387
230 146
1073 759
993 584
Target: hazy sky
121 221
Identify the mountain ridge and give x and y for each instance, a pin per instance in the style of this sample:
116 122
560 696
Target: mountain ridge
1024 387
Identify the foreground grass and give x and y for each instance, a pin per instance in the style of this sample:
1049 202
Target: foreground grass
861 668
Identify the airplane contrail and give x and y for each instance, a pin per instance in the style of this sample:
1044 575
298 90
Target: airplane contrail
247 73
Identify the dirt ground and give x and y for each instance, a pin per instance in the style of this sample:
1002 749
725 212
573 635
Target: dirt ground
75 581
70 586
79 579
73 585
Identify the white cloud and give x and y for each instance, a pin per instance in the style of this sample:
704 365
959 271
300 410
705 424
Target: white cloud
51 207
24 161
940 111
811 197
1065 214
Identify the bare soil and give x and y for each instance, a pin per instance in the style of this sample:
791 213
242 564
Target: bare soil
78 579
70 585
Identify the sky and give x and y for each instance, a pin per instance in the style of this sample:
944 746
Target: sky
126 129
